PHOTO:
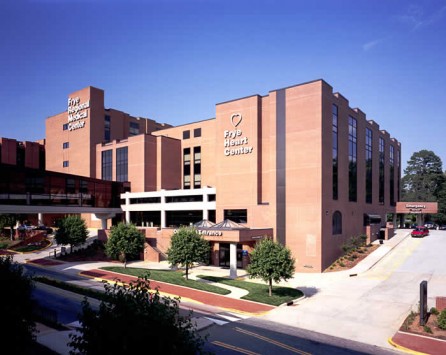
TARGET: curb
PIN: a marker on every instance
(402, 348)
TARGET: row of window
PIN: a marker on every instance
(121, 164)
(352, 159)
(187, 171)
(172, 199)
(197, 133)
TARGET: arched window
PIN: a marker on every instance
(337, 223)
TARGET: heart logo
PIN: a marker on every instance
(236, 118)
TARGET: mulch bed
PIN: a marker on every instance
(415, 327)
(348, 264)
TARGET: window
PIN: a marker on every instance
(238, 216)
(134, 128)
(381, 169)
(66, 145)
(107, 164)
(186, 168)
(197, 167)
(337, 223)
(186, 134)
(107, 128)
(65, 126)
(368, 165)
(122, 164)
(197, 132)
(392, 175)
(352, 156)
(335, 150)
(70, 186)
(66, 164)
(20, 155)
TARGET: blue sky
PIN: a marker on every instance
(173, 60)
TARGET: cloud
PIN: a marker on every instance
(416, 18)
(369, 45)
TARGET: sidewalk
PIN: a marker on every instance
(318, 289)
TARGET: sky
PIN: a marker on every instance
(174, 60)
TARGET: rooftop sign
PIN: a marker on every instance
(77, 113)
(234, 142)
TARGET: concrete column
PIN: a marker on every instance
(395, 221)
(127, 212)
(233, 260)
(205, 209)
(104, 223)
(163, 218)
(163, 210)
(39, 218)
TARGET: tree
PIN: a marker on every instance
(187, 247)
(423, 177)
(134, 317)
(270, 261)
(125, 243)
(72, 230)
(8, 220)
(16, 307)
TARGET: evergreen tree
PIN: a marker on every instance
(423, 177)
(270, 261)
(187, 247)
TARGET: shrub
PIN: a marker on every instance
(409, 320)
(442, 320)
(434, 311)
(427, 329)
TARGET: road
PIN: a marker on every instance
(253, 336)
(366, 309)
(227, 333)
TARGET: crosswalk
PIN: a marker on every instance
(225, 318)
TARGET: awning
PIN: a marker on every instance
(371, 219)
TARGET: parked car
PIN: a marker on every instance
(442, 227)
(420, 231)
(42, 227)
(430, 225)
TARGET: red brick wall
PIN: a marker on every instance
(440, 303)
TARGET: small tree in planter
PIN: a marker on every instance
(125, 242)
(270, 261)
(187, 247)
(72, 230)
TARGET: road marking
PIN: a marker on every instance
(231, 317)
(235, 348)
(217, 321)
(275, 342)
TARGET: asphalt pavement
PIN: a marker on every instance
(356, 304)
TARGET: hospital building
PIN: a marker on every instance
(297, 164)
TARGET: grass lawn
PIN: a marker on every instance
(172, 277)
(259, 292)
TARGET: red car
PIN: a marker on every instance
(420, 231)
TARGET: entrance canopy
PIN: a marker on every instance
(204, 223)
(228, 225)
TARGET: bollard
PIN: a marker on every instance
(423, 303)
